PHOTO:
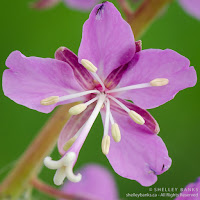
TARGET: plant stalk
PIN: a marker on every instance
(142, 18)
(57, 193)
(31, 161)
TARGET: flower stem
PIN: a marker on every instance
(125, 7)
(31, 161)
(53, 192)
(145, 15)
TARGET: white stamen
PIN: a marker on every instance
(137, 118)
(75, 110)
(116, 132)
(120, 104)
(91, 101)
(88, 65)
(105, 145)
(49, 101)
(115, 129)
(71, 96)
(111, 119)
(159, 82)
(131, 87)
(106, 125)
(87, 126)
(155, 82)
(64, 168)
(99, 79)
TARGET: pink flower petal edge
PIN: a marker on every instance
(192, 7)
(97, 183)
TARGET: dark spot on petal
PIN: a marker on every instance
(101, 7)
(153, 171)
(163, 167)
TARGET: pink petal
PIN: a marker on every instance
(139, 155)
(107, 40)
(31, 79)
(192, 7)
(81, 4)
(72, 127)
(96, 183)
(191, 191)
(154, 63)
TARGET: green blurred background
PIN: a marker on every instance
(40, 33)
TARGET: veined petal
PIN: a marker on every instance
(81, 4)
(139, 155)
(80, 128)
(150, 122)
(107, 39)
(72, 127)
(30, 79)
(148, 65)
(191, 191)
(82, 75)
(192, 7)
(96, 183)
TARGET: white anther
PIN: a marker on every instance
(159, 82)
(64, 168)
(116, 132)
(72, 96)
(136, 117)
(88, 65)
(76, 110)
(105, 145)
(49, 101)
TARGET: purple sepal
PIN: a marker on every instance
(138, 45)
(82, 75)
(150, 122)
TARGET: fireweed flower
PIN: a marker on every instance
(75, 4)
(109, 68)
(103, 189)
(191, 191)
(192, 7)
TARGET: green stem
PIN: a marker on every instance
(145, 15)
(46, 189)
(30, 162)
(57, 193)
